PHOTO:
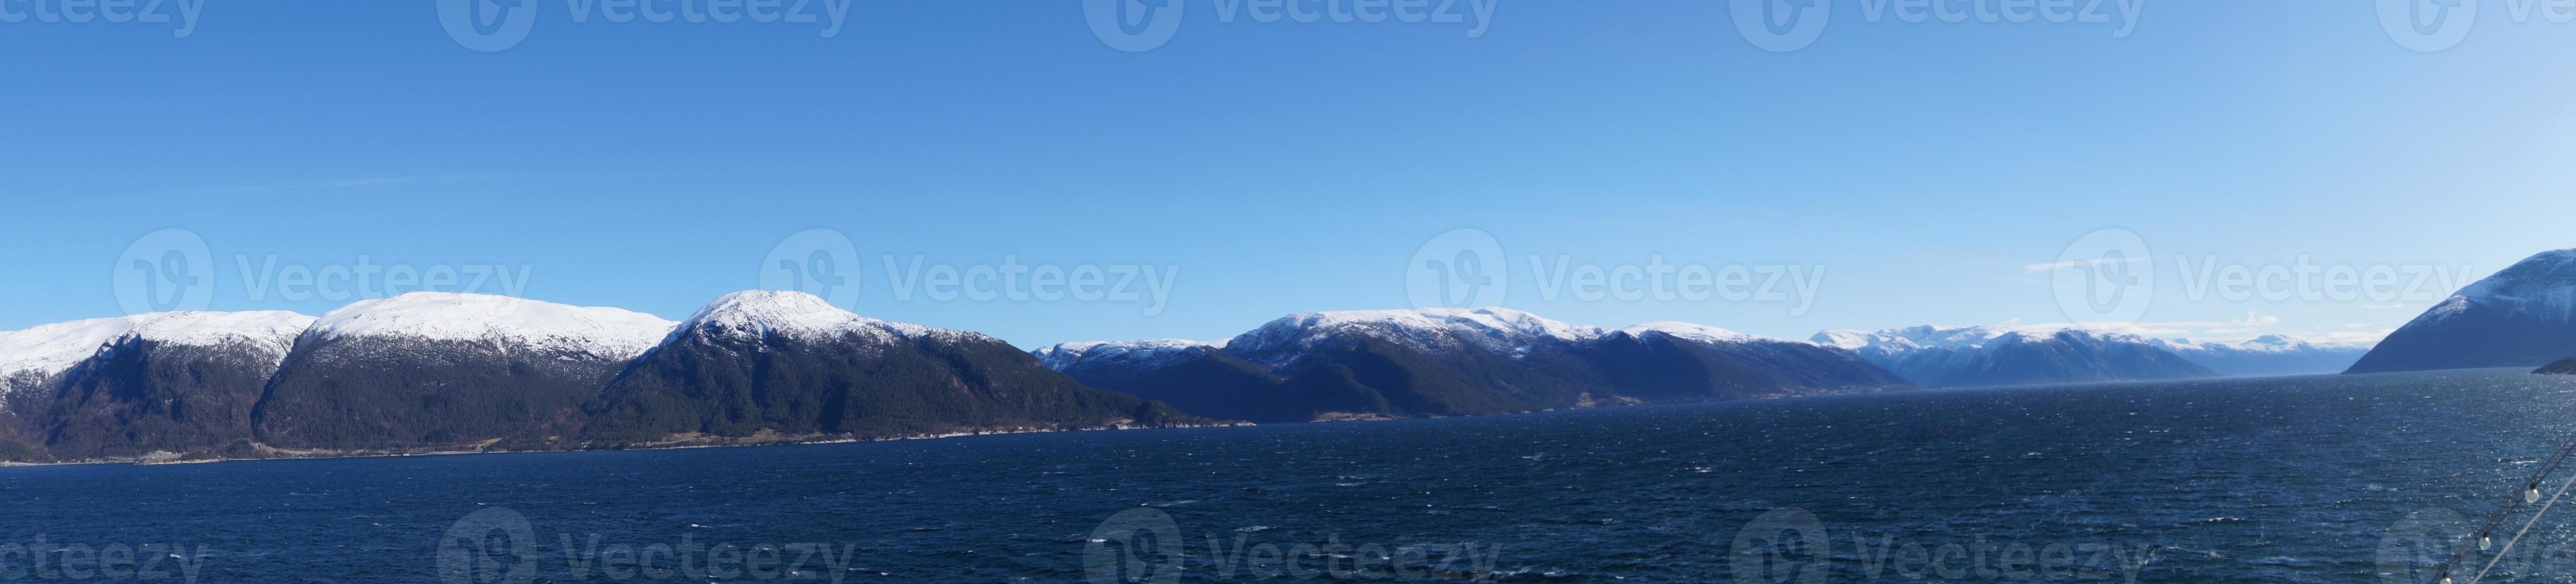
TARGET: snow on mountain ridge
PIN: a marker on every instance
(1933, 336)
(1698, 332)
(799, 315)
(54, 348)
(605, 332)
(1064, 355)
(1497, 330)
(2542, 286)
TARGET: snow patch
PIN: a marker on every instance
(1063, 356)
(797, 315)
(1500, 331)
(610, 333)
(55, 348)
(1696, 332)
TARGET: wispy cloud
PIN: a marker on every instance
(2072, 264)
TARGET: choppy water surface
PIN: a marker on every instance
(2279, 480)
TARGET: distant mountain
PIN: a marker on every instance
(1200, 379)
(1668, 361)
(2000, 356)
(1444, 362)
(2524, 316)
(2270, 355)
(172, 383)
(2562, 367)
(759, 364)
(441, 370)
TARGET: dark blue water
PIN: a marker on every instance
(2283, 480)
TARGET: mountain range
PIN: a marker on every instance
(2269, 355)
(437, 372)
(1447, 362)
(446, 372)
(1985, 356)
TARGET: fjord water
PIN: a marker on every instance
(2263, 480)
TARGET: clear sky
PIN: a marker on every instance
(1937, 171)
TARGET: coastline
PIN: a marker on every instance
(167, 458)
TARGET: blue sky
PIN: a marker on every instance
(1932, 169)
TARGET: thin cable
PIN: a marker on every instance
(2526, 528)
(2495, 518)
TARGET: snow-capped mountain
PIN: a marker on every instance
(35, 359)
(761, 313)
(2269, 355)
(1436, 362)
(1986, 356)
(435, 369)
(137, 384)
(789, 363)
(2524, 316)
